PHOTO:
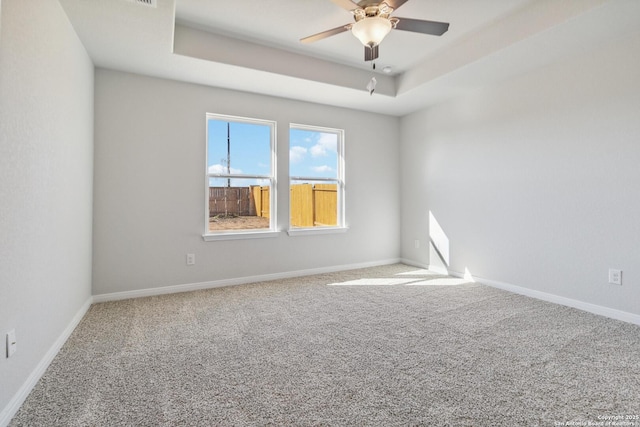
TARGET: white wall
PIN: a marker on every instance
(46, 158)
(536, 181)
(149, 187)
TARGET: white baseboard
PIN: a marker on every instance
(18, 399)
(544, 296)
(236, 281)
(414, 263)
(14, 405)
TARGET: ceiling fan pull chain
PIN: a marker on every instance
(371, 86)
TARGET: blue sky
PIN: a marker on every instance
(249, 148)
(312, 153)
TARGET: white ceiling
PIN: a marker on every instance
(283, 23)
(253, 45)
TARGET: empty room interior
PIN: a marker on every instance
(238, 213)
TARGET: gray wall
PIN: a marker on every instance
(536, 181)
(149, 186)
(46, 158)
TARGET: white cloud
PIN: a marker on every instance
(323, 168)
(327, 142)
(297, 153)
(223, 169)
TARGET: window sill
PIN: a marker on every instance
(239, 235)
(316, 230)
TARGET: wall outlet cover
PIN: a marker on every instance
(191, 259)
(615, 276)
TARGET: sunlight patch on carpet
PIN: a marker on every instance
(374, 282)
(448, 281)
(420, 272)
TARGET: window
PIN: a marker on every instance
(316, 179)
(240, 199)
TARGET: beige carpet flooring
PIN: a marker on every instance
(383, 346)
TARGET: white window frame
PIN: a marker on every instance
(246, 233)
(341, 226)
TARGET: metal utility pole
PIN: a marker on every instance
(228, 155)
(226, 211)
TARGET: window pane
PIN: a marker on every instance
(316, 177)
(240, 175)
(238, 148)
(313, 154)
(314, 204)
(238, 204)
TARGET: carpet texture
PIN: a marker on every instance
(383, 346)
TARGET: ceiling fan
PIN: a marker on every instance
(373, 22)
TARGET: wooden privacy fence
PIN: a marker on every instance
(314, 205)
(311, 204)
(231, 201)
(261, 200)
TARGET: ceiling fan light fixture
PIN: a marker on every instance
(371, 31)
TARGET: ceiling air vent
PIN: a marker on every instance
(150, 3)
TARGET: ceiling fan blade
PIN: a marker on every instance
(395, 4)
(325, 34)
(434, 28)
(346, 4)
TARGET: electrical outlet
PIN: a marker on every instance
(12, 344)
(416, 244)
(191, 259)
(615, 276)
